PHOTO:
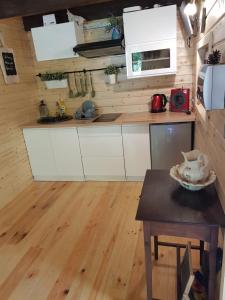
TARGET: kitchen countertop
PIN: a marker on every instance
(124, 118)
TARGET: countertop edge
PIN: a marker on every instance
(124, 119)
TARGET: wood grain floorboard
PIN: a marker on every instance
(78, 241)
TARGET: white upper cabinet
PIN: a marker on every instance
(150, 40)
(150, 25)
(56, 41)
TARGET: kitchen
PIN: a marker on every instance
(73, 167)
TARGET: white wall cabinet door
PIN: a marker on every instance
(102, 152)
(54, 153)
(66, 150)
(150, 43)
(152, 59)
(40, 153)
(136, 144)
(56, 41)
(150, 25)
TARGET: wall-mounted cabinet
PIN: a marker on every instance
(56, 41)
(153, 59)
(151, 42)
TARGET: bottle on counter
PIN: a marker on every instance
(43, 109)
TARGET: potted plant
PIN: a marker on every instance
(111, 71)
(115, 25)
(57, 80)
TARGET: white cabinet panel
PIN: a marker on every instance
(150, 25)
(102, 152)
(152, 59)
(136, 144)
(104, 168)
(150, 43)
(101, 146)
(40, 152)
(56, 41)
(54, 154)
(114, 130)
(65, 145)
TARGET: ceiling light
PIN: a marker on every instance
(191, 8)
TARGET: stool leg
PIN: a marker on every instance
(156, 249)
(201, 252)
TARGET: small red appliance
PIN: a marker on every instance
(158, 103)
(179, 100)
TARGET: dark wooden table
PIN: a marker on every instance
(168, 209)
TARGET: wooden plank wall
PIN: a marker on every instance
(17, 105)
(209, 134)
(210, 125)
(128, 95)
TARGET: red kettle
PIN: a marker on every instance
(158, 103)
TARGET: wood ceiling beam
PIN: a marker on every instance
(12, 8)
(86, 8)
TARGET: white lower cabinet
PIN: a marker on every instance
(65, 144)
(54, 153)
(136, 145)
(104, 168)
(102, 152)
(111, 152)
(40, 154)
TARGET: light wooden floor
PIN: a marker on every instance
(78, 241)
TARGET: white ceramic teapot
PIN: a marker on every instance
(195, 167)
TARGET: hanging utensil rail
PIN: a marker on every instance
(85, 71)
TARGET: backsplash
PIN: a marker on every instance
(128, 95)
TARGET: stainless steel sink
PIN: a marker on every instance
(107, 117)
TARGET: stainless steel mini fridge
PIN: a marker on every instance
(167, 141)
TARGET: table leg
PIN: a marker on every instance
(148, 259)
(212, 264)
(156, 249)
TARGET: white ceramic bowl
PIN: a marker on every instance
(192, 186)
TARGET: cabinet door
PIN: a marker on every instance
(40, 153)
(66, 149)
(150, 25)
(104, 168)
(136, 144)
(55, 41)
(101, 141)
(102, 152)
(152, 59)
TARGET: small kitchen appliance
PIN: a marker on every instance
(180, 100)
(158, 103)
